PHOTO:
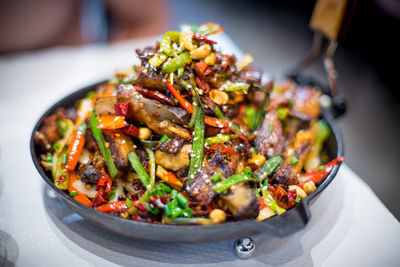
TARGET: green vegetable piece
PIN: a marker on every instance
(61, 176)
(294, 160)
(261, 111)
(56, 146)
(209, 28)
(320, 167)
(268, 167)
(166, 42)
(215, 178)
(282, 113)
(253, 150)
(73, 193)
(152, 211)
(152, 164)
(63, 127)
(111, 195)
(157, 59)
(248, 172)
(177, 62)
(270, 128)
(270, 201)
(105, 151)
(297, 200)
(49, 158)
(256, 192)
(128, 202)
(196, 158)
(165, 188)
(250, 114)
(175, 100)
(182, 200)
(174, 193)
(177, 212)
(323, 132)
(195, 111)
(180, 73)
(187, 213)
(91, 94)
(218, 139)
(218, 112)
(138, 167)
(113, 187)
(164, 138)
(236, 86)
(234, 179)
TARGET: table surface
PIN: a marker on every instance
(350, 225)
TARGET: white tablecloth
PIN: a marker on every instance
(350, 225)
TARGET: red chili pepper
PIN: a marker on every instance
(261, 202)
(140, 206)
(100, 198)
(113, 206)
(316, 176)
(184, 103)
(203, 85)
(121, 108)
(75, 149)
(291, 197)
(131, 130)
(156, 96)
(222, 148)
(201, 38)
(185, 95)
(202, 69)
(105, 182)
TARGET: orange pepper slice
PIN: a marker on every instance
(111, 122)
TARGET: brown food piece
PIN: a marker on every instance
(90, 142)
(270, 140)
(241, 201)
(42, 142)
(90, 175)
(105, 105)
(251, 75)
(160, 118)
(287, 173)
(170, 146)
(151, 79)
(306, 103)
(120, 145)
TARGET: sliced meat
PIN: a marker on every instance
(251, 75)
(287, 173)
(49, 129)
(120, 145)
(152, 79)
(42, 142)
(306, 103)
(241, 201)
(270, 139)
(145, 54)
(160, 118)
(170, 146)
(90, 175)
(105, 105)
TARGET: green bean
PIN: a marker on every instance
(177, 62)
(194, 115)
(234, 179)
(138, 167)
(196, 158)
(268, 167)
(105, 151)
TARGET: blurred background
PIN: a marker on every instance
(275, 32)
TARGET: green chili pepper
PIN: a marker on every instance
(152, 161)
(180, 73)
(196, 158)
(105, 151)
(63, 127)
(182, 200)
(260, 113)
(250, 114)
(164, 188)
(194, 115)
(61, 176)
(111, 195)
(297, 200)
(164, 138)
(236, 86)
(165, 44)
(128, 202)
(73, 194)
(294, 160)
(64, 158)
(323, 133)
(152, 211)
(234, 179)
(91, 94)
(177, 62)
(49, 157)
(215, 178)
(157, 59)
(219, 138)
(282, 113)
(268, 167)
(138, 167)
(56, 146)
(269, 200)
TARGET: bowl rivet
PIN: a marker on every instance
(244, 247)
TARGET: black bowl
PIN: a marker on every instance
(291, 221)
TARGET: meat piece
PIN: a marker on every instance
(287, 173)
(160, 118)
(105, 105)
(241, 201)
(251, 75)
(49, 129)
(201, 188)
(90, 175)
(152, 79)
(170, 146)
(270, 139)
(145, 54)
(90, 142)
(120, 145)
(42, 142)
(306, 103)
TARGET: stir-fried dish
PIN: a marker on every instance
(191, 136)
